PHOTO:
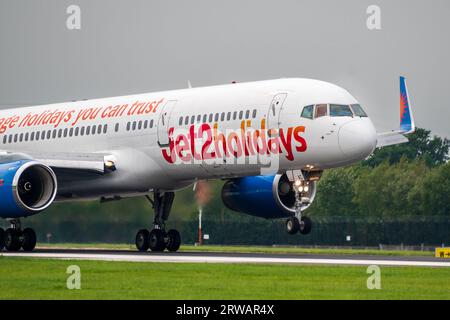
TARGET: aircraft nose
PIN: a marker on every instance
(357, 138)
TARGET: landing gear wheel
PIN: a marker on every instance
(305, 225)
(2, 239)
(142, 240)
(156, 240)
(29, 239)
(12, 240)
(174, 240)
(292, 225)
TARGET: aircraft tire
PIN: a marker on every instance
(142, 240)
(174, 240)
(292, 225)
(29, 239)
(305, 225)
(2, 239)
(12, 240)
(156, 240)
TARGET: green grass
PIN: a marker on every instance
(252, 249)
(33, 278)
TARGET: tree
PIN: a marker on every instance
(434, 151)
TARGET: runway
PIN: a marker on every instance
(213, 257)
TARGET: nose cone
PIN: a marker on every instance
(357, 138)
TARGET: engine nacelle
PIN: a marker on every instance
(26, 187)
(264, 196)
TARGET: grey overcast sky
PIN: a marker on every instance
(126, 47)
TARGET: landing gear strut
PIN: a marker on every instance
(299, 223)
(15, 238)
(158, 239)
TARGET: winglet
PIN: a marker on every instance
(406, 115)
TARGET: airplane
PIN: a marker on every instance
(270, 141)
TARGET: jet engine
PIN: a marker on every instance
(26, 187)
(267, 197)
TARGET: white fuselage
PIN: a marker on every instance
(166, 140)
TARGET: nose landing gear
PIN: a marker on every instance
(158, 239)
(299, 223)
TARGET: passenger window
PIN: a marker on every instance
(340, 110)
(254, 114)
(134, 125)
(65, 132)
(77, 130)
(70, 132)
(180, 122)
(241, 114)
(32, 136)
(216, 117)
(26, 136)
(140, 125)
(228, 116)
(151, 123)
(93, 128)
(21, 137)
(4, 139)
(358, 111)
(321, 110)
(186, 120)
(82, 131)
(99, 129)
(211, 117)
(49, 134)
(128, 126)
(145, 124)
(234, 115)
(88, 130)
(10, 138)
(105, 128)
(43, 135)
(59, 133)
(222, 116)
(54, 133)
(308, 112)
(199, 118)
(204, 117)
(247, 114)
(15, 137)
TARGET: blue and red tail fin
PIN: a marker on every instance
(406, 116)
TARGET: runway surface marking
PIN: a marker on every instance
(224, 258)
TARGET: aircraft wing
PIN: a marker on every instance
(406, 121)
(67, 163)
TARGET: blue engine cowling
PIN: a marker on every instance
(267, 197)
(26, 187)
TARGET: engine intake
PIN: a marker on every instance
(264, 196)
(26, 188)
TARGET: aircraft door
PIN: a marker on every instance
(273, 114)
(163, 123)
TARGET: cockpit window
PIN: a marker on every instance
(340, 110)
(358, 111)
(321, 110)
(308, 112)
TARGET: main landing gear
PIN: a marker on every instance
(299, 223)
(15, 238)
(158, 239)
